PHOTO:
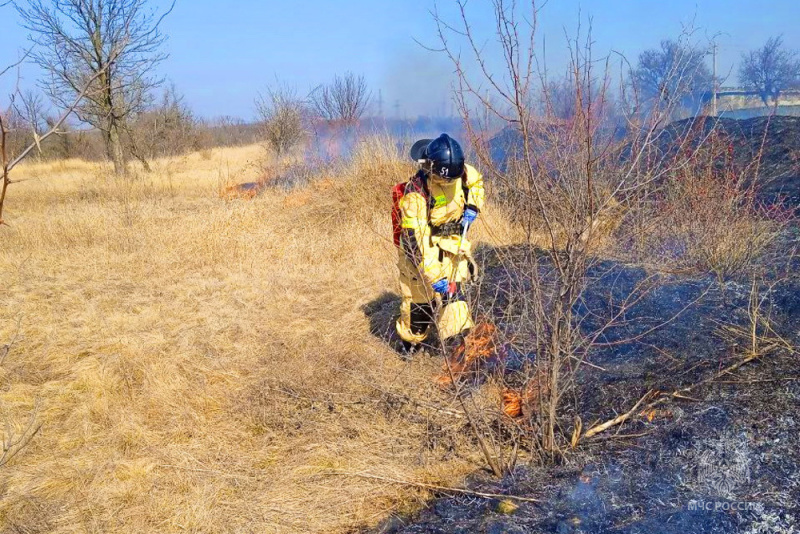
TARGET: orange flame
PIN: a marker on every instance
(242, 191)
(512, 403)
(480, 345)
(526, 402)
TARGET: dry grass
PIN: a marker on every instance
(708, 218)
(201, 364)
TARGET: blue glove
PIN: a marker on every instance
(469, 217)
(441, 286)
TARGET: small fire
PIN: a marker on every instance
(527, 401)
(247, 191)
(512, 403)
(480, 345)
(654, 413)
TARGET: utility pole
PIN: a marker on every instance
(397, 108)
(714, 88)
(380, 104)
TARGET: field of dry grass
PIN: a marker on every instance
(203, 365)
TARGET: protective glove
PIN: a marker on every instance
(469, 217)
(441, 286)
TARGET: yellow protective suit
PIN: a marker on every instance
(429, 254)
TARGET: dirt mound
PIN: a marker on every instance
(775, 141)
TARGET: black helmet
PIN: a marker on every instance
(444, 154)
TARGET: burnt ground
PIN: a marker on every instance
(726, 461)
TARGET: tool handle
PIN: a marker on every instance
(463, 237)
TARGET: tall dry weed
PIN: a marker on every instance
(706, 214)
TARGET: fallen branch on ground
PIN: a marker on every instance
(619, 419)
(12, 443)
(677, 394)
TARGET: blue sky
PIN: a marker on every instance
(222, 54)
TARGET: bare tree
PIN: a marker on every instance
(674, 73)
(770, 70)
(116, 43)
(342, 101)
(25, 120)
(282, 117)
(29, 106)
(18, 131)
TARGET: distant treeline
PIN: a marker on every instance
(146, 139)
(173, 131)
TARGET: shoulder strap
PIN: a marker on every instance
(465, 187)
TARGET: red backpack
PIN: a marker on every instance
(415, 185)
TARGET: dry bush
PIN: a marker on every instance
(164, 128)
(225, 132)
(18, 132)
(706, 216)
(283, 119)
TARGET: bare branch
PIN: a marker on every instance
(13, 441)
(55, 127)
(5, 349)
(20, 61)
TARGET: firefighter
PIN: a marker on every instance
(437, 204)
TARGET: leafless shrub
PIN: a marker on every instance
(18, 131)
(27, 118)
(226, 131)
(282, 119)
(706, 215)
(165, 128)
(343, 101)
(579, 174)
